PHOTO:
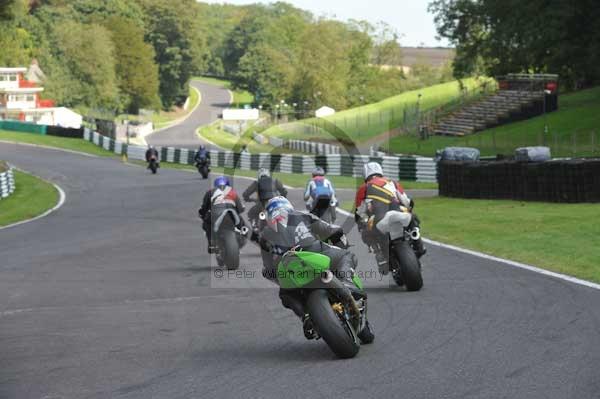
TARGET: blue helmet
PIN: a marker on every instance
(222, 182)
(278, 208)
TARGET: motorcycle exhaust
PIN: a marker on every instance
(244, 231)
(415, 234)
(327, 277)
(262, 216)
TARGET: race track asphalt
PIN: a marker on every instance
(183, 135)
(114, 296)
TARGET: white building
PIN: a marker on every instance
(20, 100)
(324, 112)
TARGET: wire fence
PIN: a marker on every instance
(368, 122)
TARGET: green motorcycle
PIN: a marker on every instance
(336, 316)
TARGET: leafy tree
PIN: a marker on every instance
(171, 27)
(87, 52)
(554, 36)
(137, 74)
(387, 49)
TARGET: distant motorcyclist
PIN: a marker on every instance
(150, 153)
(222, 194)
(266, 187)
(287, 229)
(318, 190)
(152, 158)
(376, 196)
(202, 155)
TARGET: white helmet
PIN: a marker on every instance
(263, 172)
(371, 169)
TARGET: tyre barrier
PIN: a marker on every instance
(401, 168)
(570, 181)
(7, 183)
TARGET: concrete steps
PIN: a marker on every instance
(486, 113)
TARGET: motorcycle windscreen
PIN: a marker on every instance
(394, 223)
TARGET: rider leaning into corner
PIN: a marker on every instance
(287, 229)
(221, 195)
(375, 197)
(266, 187)
(317, 187)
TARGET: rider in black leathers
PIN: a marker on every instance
(266, 188)
(308, 232)
(150, 152)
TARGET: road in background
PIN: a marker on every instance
(115, 296)
(213, 100)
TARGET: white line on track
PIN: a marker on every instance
(61, 201)
(505, 261)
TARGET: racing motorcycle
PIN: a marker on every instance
(333, 312)
(400, 232)
(228, 238)
(203, 168)
(153, 164)
(324, 209)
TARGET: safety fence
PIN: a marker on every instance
(573, 181)
(312, 147)
(26, 127)
(403, 168)
(7, 183)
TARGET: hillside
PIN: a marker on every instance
(573, 130)
(364, 123)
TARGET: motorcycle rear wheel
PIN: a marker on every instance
(230, 250)
(329, 326)
(410, 268)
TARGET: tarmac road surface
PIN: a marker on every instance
(183, 135)
(115, 296)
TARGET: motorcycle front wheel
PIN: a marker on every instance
(330, 327)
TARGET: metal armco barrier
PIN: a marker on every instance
(572, 181)
(401, 168)
(7, 183)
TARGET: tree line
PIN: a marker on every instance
(539, 36)
(124, 55)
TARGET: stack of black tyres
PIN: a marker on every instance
(566, 181)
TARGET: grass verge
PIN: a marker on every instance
(563, 238)
(228, 141)
(573, 130)
(57, 142)
(32, 197)
(240, 97)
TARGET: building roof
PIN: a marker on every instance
(13, 70)
(324, 111)
(22, 90)
(233, 114)
(35, 73)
